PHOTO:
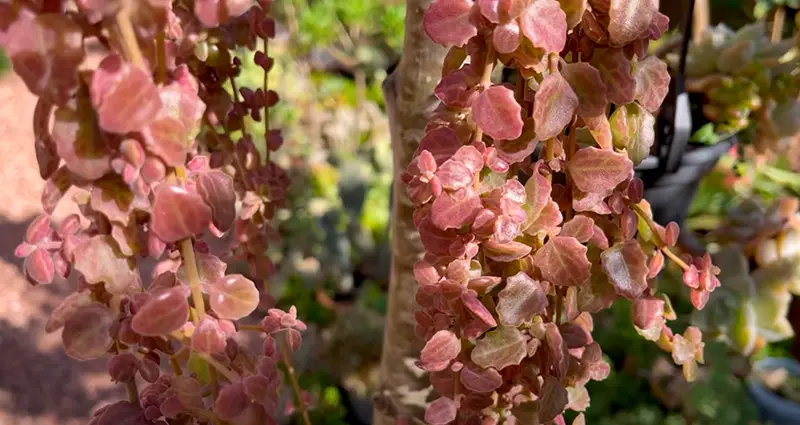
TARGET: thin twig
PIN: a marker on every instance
(287, 361)
(486, 80)
(657, 237)
(125, 27)
(221, 368)
(133, 391)
(777, 24)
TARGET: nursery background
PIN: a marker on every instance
(332, 253)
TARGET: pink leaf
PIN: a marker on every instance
(563, 261)
(98, 262)
(506, 252)
(598, 170)
(506, 37)
(554, 106)
(600, 129)
(165, 312)
(520, 300)
(217, 190)
(629, 20)
(125, 97)
(39, 266)
(652, 82)
(615, 69)
(212, 13)
(502, 11)
(476, 307)
(178, 213)
(442, 143)
(208, 337)
(80, 143)
(233, 297)
(626, 266)
(481, 380)
(589, 87)
(502, 347)
(580, 227)
(451, 211)
(447, 22)
(441, 411)
(545, 25)
(439, 351)
(497, 113)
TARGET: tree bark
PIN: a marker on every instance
(409, 95)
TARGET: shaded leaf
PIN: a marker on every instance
(588, 85)
(124, 96)
(86, 334)
(502, 11)
(165, 312)
(178, 213)
(447, 22)
(480, 380)
(233, 297)
(562, 261)
(626, 266)
(502, 347)
(615, 70)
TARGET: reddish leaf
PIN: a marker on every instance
(502, 11)
(231, 401)
(589, 87)
(86, 334)
(626, 266)
(217, 190)
(39, 267)
(64, 310)
(537, 191)
(545, 25)
(165, 312)
(652, 82)
(80, 143)
(170, 134)
(441, 411)
(502, 347)
(629, 20)
(553, 400)
(580, 227)
(212, 13)
(447, 22)
(178, 213)
(98, 262)
(647, 312)
(506, 252)
(46, 51)
(480, 380)
(458, 89)
(476, 307)
(439, 351)
(451, 211)
(124, 96)
(55, 188)
(597, 170)
(554, 106)
(520, 300)
(506, 37)
(442, 143)
(497, 113)
(208, 337)
(562, 261)
(615, 69)
(233, 297)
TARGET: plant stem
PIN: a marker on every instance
(657, 237)
(133, 392)
(266, 108)
(298, 393)
(176, 367)
(549, 154)
(777, 24)
(486, 80)
(221, 368)
(257, 328)
(129, 42)
(187, 252)
(559, 303)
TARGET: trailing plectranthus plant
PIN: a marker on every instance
(150, 141)
(524, 245)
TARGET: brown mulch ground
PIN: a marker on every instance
(39, 384)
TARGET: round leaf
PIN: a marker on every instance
(233, 297)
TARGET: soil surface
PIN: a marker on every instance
(39, 384)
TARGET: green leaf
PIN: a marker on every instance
(199, 367)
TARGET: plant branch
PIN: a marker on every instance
(486, 80)
(298, 393)
(221, 368)
(657, 237)
(125, 27)
(133, 391)
(777, 24)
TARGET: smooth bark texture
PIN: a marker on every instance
(409, 95)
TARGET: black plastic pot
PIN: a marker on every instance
(671, 194)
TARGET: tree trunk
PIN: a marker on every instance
(409, 95)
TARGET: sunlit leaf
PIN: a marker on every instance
(629, 20)
(626, 266)
(178, 213)
(598, 170)
(233, 297)
(497, 113)
(520, 300)
(652, 82)
(554, 106)
(98, 262)
(439, 351)
(502, 11)
(545, 25)
(447, 22)
(563, 261)
(165, 312)
(633, 129)
(125, 97)
(441, 411)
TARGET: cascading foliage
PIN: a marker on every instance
(156, 153)
(515, 267)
